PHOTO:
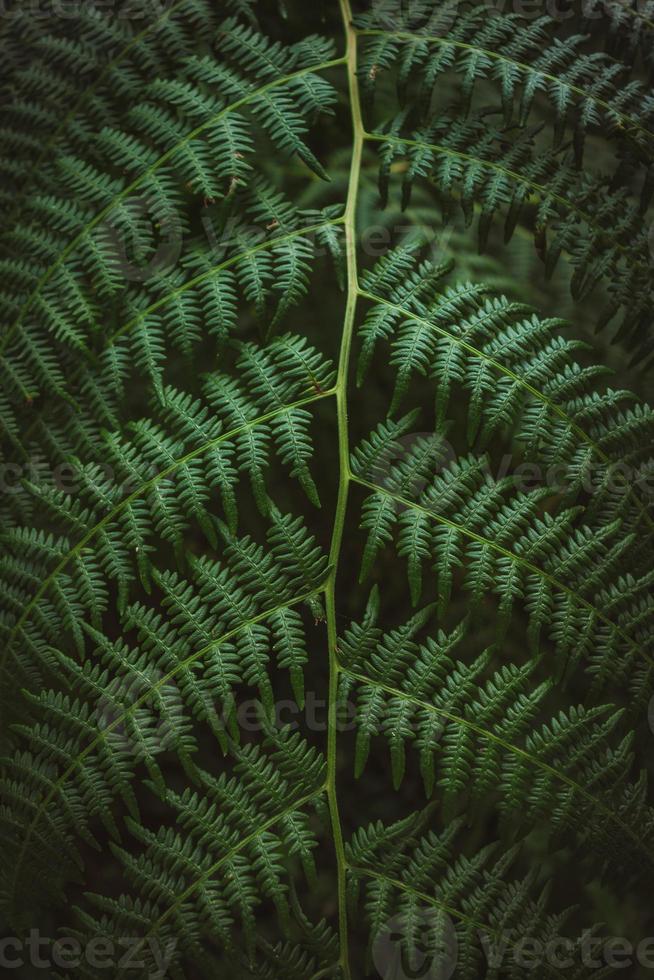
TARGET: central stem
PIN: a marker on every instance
(344, 468)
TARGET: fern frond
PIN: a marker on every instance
(477, 736)
(218, 356)
(452, 911)
(485, 150)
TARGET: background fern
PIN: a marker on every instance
(327, 525)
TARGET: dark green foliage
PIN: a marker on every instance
(491, 153)
(229, 430)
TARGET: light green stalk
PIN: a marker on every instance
(344, 467)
